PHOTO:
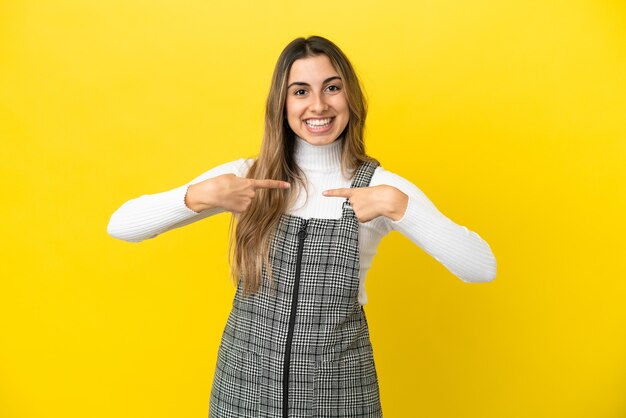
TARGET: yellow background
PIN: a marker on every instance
(509, 115)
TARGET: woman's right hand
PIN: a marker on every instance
(228, 192)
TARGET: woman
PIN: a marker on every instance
(296, 342)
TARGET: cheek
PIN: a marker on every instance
(342, 105)
(345, 111)
(291, 116)
(292, 109)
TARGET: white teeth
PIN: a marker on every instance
(318, 122)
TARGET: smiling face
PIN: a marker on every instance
(316, 105)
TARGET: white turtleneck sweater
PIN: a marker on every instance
(463, 252)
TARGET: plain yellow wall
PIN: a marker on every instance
(509, 115)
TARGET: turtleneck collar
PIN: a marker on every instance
(326, 158)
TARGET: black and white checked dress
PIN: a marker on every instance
(301, 347)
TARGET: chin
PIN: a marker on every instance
(318, 140)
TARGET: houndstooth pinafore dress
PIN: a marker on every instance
(301, 347)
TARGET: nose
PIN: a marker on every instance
(318, 104)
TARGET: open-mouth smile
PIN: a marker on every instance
(319, 125)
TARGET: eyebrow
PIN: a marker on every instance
(302, 83)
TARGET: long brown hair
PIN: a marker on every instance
(250, 242)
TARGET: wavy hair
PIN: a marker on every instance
(250, 239)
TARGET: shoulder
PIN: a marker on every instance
(383, 176)
(245, 164)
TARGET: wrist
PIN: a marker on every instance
(194, 199)
(398, 206)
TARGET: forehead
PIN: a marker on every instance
(312, 70)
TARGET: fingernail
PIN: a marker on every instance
(324, 192)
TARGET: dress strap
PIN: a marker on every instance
(364, 173)
(362, 178)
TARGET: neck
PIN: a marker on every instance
(325, 157)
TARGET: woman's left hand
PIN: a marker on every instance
(371, 202)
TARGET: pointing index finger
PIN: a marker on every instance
(337, 192)
(270, 184)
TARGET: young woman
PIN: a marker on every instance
(311, 209)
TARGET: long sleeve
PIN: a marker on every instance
(463, 252)
(149, 215)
